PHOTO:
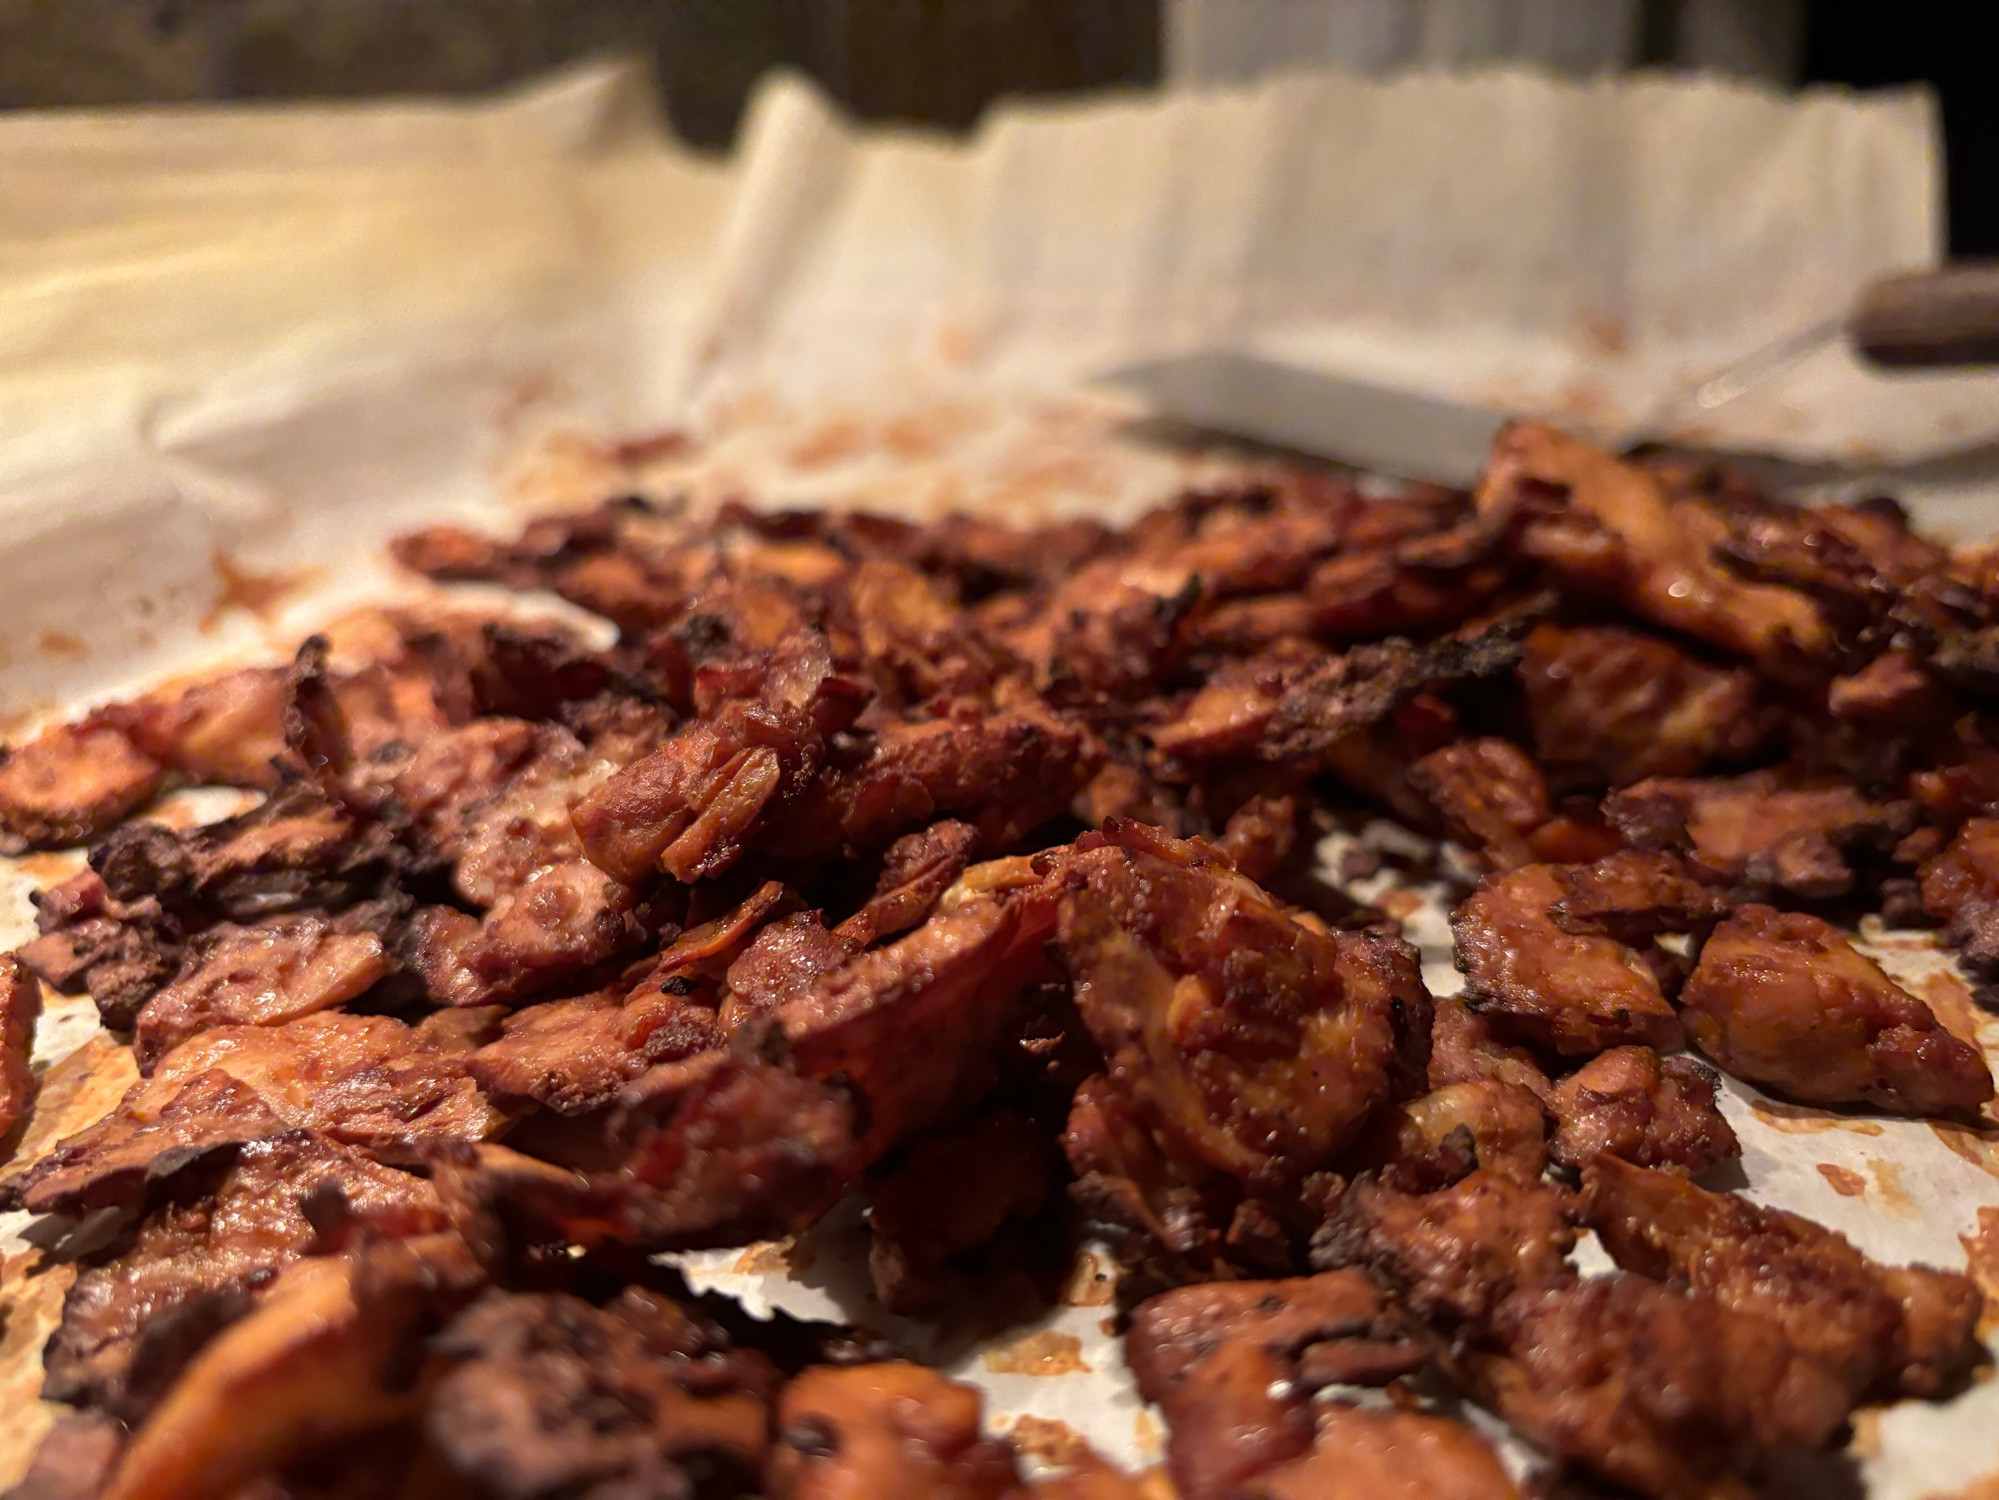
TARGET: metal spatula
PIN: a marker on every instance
(1922, 320)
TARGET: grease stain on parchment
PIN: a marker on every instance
(1979, 1147)
(1145, 1435)
(1979, 1489)
(1049, 1352)
(1891, 1194)
(1845, 1181)
(261, 595)
(1950, 1001)
(1796, 1119)
(1981, 1264)
(31, 1296)
(1050, 1441)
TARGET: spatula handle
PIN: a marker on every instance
(1949, 316)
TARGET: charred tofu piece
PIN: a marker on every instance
(495, 802)
(917, 869)
(727, 1147)
(1231, 711)
(121, 929)
(70, 783)
(1668, 1393)
(788, 956)
(1783, 1000)
(1374, 1453)
(1250, 1043)
(1882, 1331)
(1234, 1365)
(1634, 895)
(1674, 1395)
(120, 961)
(1857, 562)
(1431, 1141)
(943, 991)
(981, 556)
(1112, 630)
(1261, 836)
(547, 1397)
(1490, 795)
(1361, 687)
(1611, 528)
(1572, 992)
(692, 806)
(224, 730)
(1108, 634)
(1124, 1178)
(559, 927)
(618, 559)
(350, 730)
(1960, 888)
(1459, 1253)
(1465, 1049)
(296, 849)
(914, 640)
(491, 801)
(952, 1195)
(575, 1056)
(20, 1008)
(1005, 768)
(759, 1140)
(108, 1164)
(1761, 833)
(1615, 705)
(333, 1351)
(1635, 1105)
(264, 975)
(894, 1431)
(1964, 786)
(703, 954)
(1411, 586)
(200, 1261)
(367, 1081)
(74, 1460)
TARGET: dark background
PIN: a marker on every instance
(1954, 46)
(933, 61)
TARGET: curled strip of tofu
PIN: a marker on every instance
(325, 1355)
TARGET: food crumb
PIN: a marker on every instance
(1090, 1283)
(773, 1258)
(1050, 1441)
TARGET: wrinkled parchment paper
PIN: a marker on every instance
(238, 349)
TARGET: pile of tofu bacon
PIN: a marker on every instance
(970, 870)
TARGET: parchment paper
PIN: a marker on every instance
(240, 348)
